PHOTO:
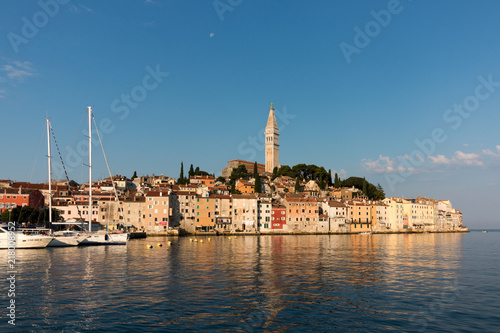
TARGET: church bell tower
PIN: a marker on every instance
(272, 142)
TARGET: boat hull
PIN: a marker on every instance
(26, 242)
(105, 239)
(60, 241)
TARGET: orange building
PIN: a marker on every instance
(205, 214)
(359, 216)
(244, 186)
(10, 199)
(205, 180)
(302, 214)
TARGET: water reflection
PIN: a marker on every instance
(266, 283)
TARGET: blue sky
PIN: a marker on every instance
(356, 86)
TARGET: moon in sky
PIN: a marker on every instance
(212, 34)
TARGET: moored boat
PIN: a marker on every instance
(67, 238)
(10, 237)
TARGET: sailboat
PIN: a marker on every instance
(100, 237)
(64, 237)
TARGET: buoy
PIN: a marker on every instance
(159, 244)
(229, 237)
(209, 239)
(169, 243)
(235, 237)
(195, 240)
(149, 246)
(190, 239)
(201, 240)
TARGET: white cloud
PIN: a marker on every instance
(18, 70)
(488, 152)
(439, 159)
(2, 93)
(467, 159)
(460, 158)
(385, 164)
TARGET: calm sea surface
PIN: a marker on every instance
(365, 283)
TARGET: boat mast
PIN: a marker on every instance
(90, 168)
(50, 173)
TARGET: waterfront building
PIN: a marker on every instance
(278, 218)
(223, 213)
(245, 216)
(134, 212)
(185, 216)
(448, 218)
(337, 214)
(205, 214)
(380, 216)
(395, 213)
(302, 214)
(265, 213)
(159, 211)
(359, 216)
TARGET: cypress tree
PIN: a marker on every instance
(191, 171)
(297, 185)
(256, 176)
(180, 181)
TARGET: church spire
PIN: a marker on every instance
(271, 120)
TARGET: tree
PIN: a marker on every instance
(365, 191)
(237, 173)
(134, 176)
(297, 185)
(337, 181)
(191, 172)
(221, 179)
(256, 176)
(371, 190)
(330, 181)
(379, 194)
(197, 171)
(182, 180)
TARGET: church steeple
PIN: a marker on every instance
(271, 120)
(272, 142)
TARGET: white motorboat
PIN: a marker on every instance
(12, 238)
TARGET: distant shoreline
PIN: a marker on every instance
(159, 234)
